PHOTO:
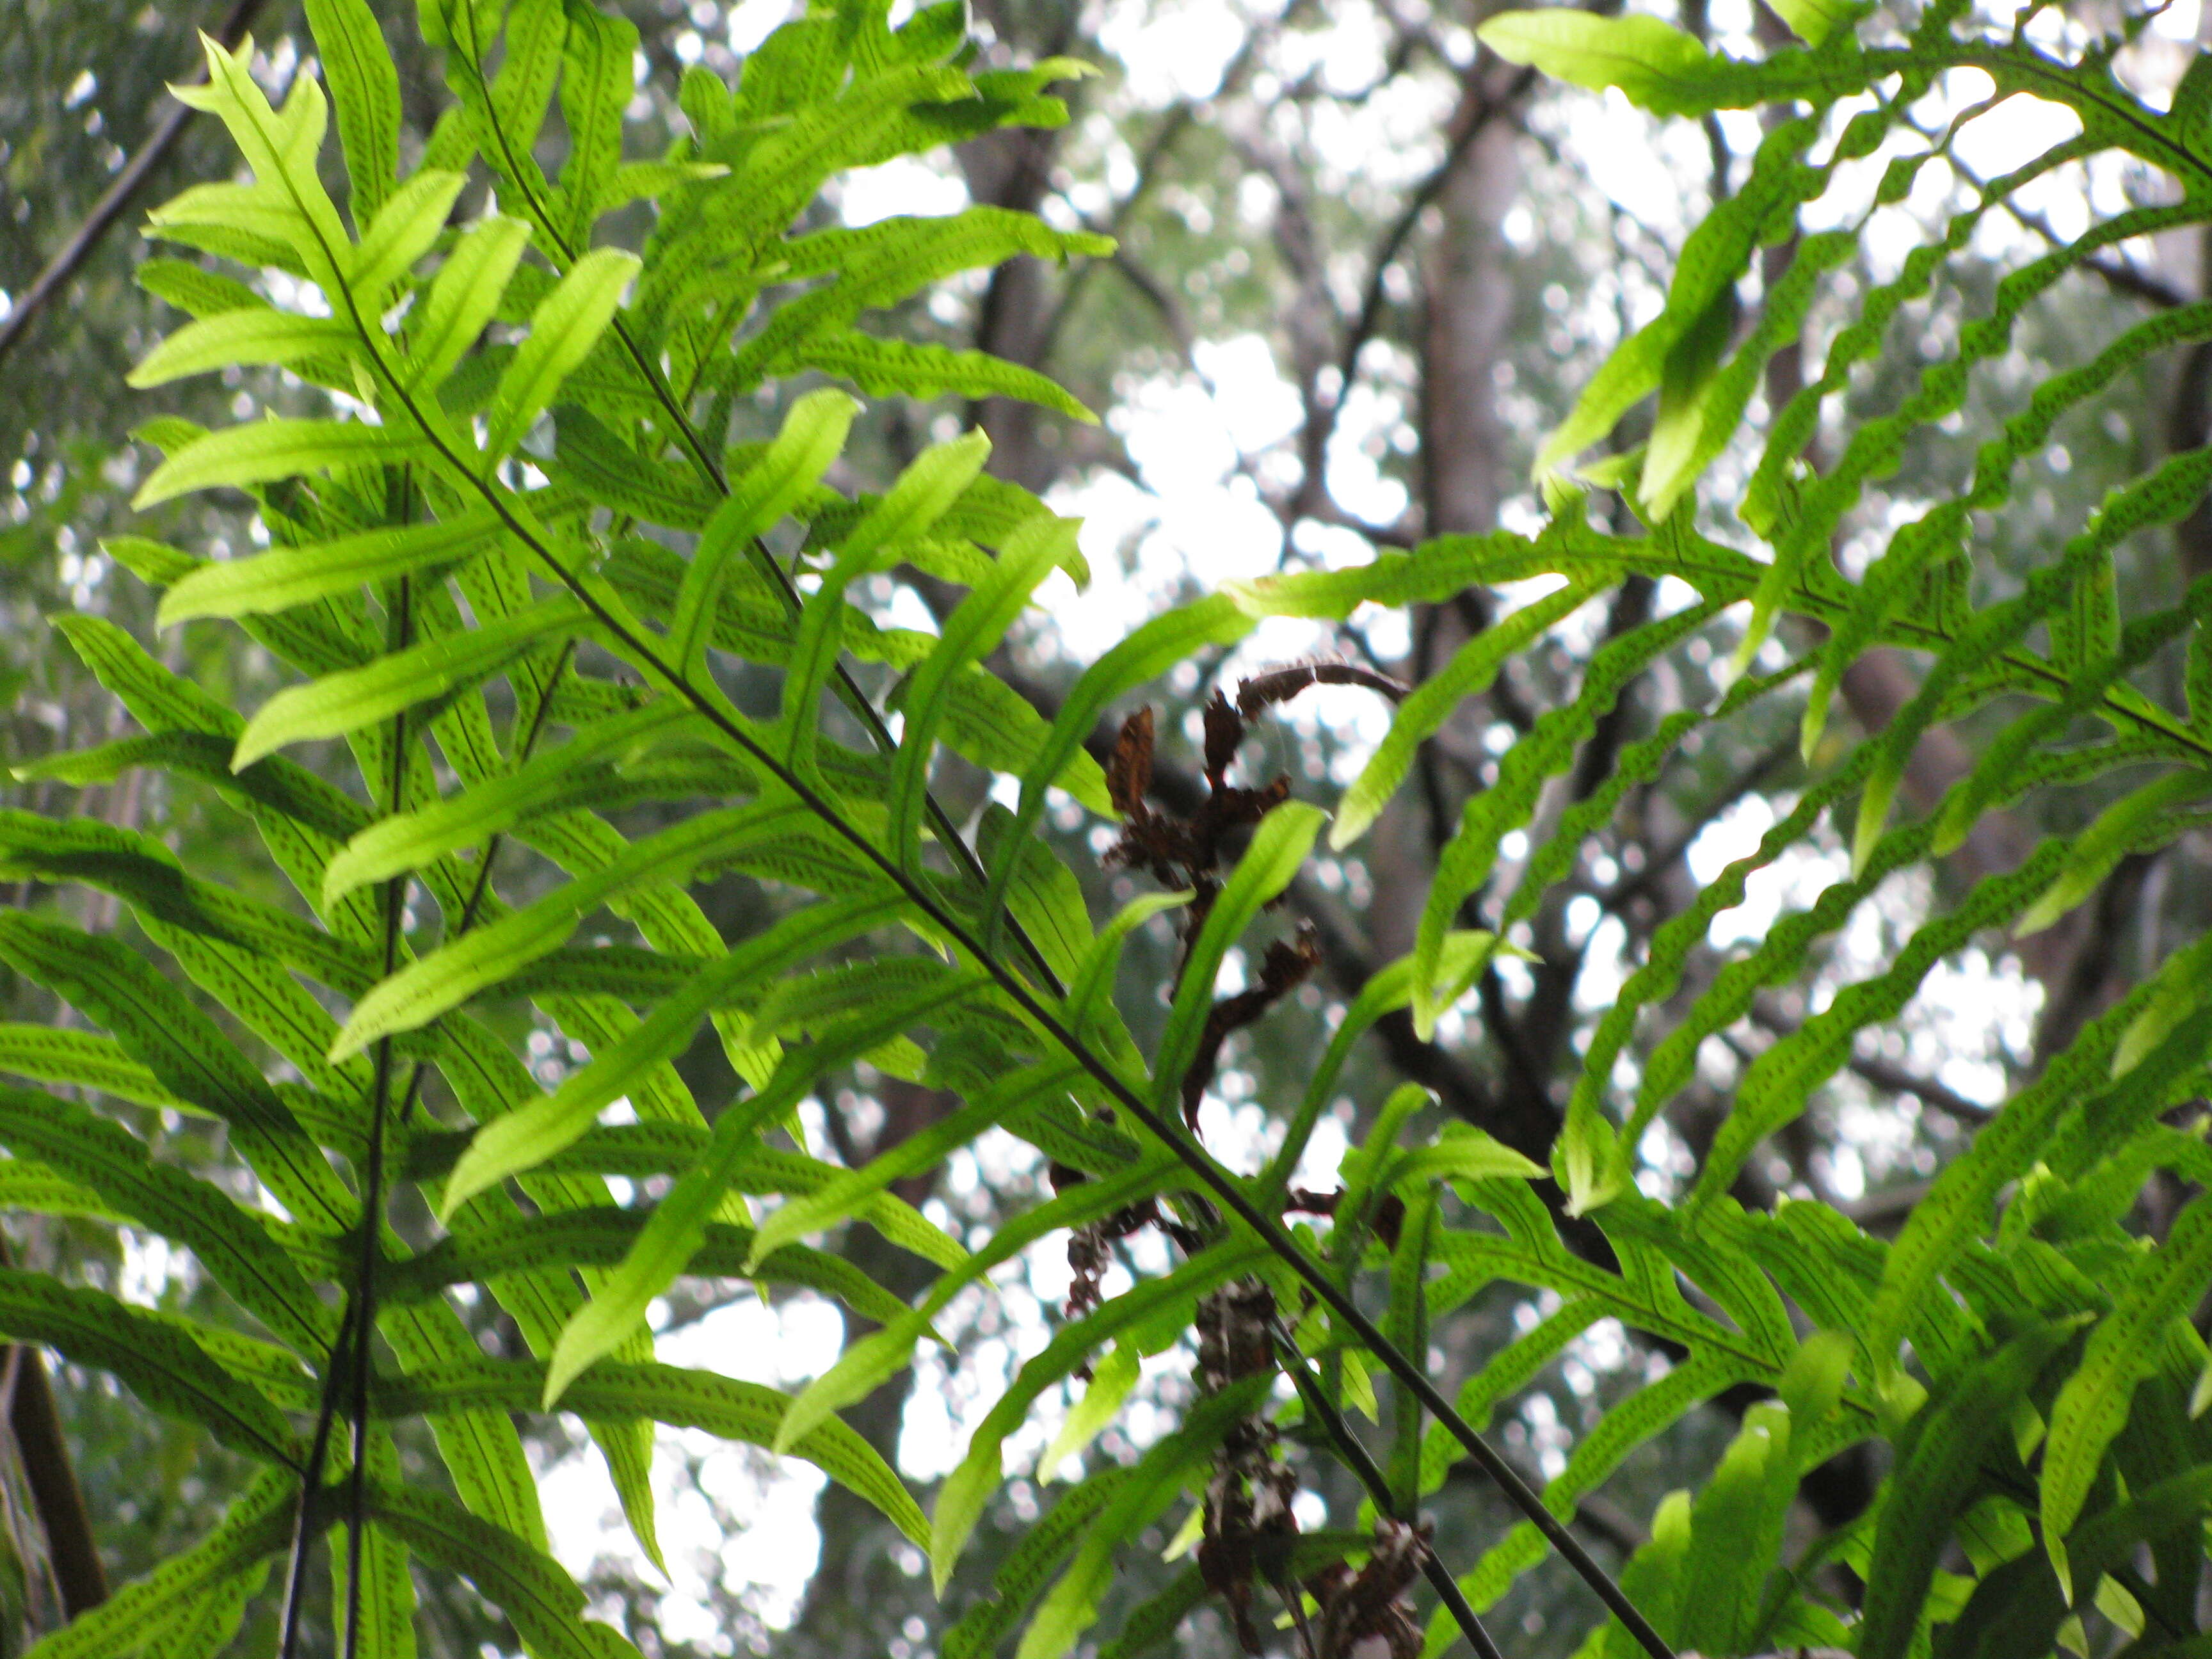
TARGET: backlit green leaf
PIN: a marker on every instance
(565, 326)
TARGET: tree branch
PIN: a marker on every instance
(109, 208)
(37, 1425)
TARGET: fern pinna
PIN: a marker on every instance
(520, 567)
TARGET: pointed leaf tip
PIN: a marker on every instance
(1350, 823)
(1815, 724)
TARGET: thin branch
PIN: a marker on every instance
(1616, 897)
(48, 1470)
(1478, 116)
(1178, 119)
(110, 207)
(2122, 276)
(1162, 299)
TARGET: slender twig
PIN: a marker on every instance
(372, 1211)
(365, 1294)
(1657, 864)
(1362, 1463)
(480, 888)
(306, 1512)
(1164, 300)
(352, 1354)
(1375, 295)
(110, 207)
(1174, 122)
(2122, 276)
(917, 892)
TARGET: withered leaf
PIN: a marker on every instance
(1224, 730)
(1280, 684)
(1129, 769)
(1283, 968)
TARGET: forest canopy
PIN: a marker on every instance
(1098, 826)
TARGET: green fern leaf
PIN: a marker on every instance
(464, 298)
(1030, 554)
(405, 229)
(1278, 847)
(365, 90)
(243, 336)
(721, 1405)
(1024, 1572)
(923, 370)
(526, 1584)
(960, 1501)
(1938, 1476)
(288, 576)
(1157, 1480)
(812, 434)
(233, 1245)
(185, 1051)
(2126, 1346)
(563, 329)
(597, 84)
(673, 1234)
(1469, 673)
(521, 1140)
(265, 451)
(252, 1528)
(157, 1363)
(1642, 57)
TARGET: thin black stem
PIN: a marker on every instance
(311, 1483)
(1362, 1463)
(349, 1357)
(480, 887)
(916, 891)
(372, 1206)
(365, 1296)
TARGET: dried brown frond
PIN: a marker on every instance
(1280, 684)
